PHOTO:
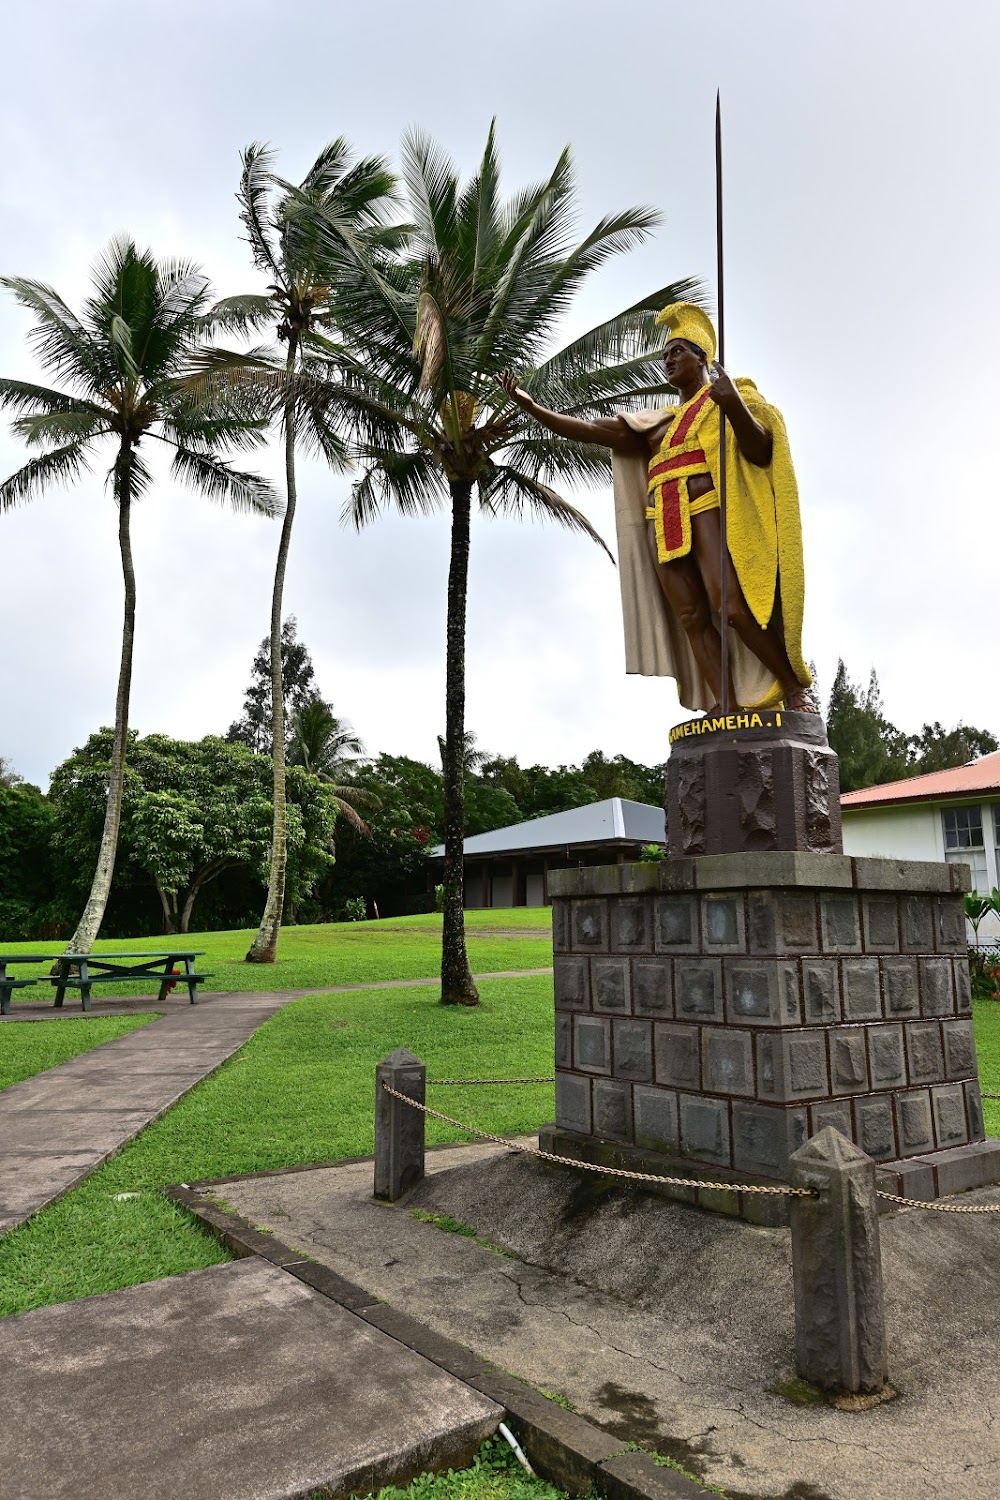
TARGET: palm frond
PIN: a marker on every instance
(59, 466)
(243, 314)
(413, 481)
(256, 183)
(507, 491)
(59, 339)
(48, 428)
(25, 398)
(432, 188)
(219, 481)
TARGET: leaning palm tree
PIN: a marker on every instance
(324, 746)
(120, 362)
(354, 195)
(423, 341)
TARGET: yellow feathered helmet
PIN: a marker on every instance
(685, 321)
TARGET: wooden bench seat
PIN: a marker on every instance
(166, 983)
(6, 986)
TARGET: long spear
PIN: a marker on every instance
(720, 285)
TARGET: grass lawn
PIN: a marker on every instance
(300, 1090)
(494, 1475)
(30, 1048)
(335, 953)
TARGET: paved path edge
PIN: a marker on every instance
(562, 1446)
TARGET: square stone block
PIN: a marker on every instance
(753, 991)
(655, 1112)
(638, 877)
(573, 1103)
(959, 1049)
(727, 1061)
(589, 926)
(790, 982)
(917, 913)
(723, 926)
(923, 1051)
(571, 982)
(974, 1109)
(848, 1060)
(632, 926)
(880, 915)
(966, 1167)
(902, 993)
(592, 1044)
(698, 989)
(762, 932)
(765, 1137)
(632, 1043)
(841, 929)
(791, 1065)
(678, 1056)
(564, 1040)
(862, 1001)
(936, 993)
(950, 924)
(676, 924)
(915, 1124)
(612, 1109)
(950, 1125)
(797, 924)
(963, 986)
(885, 1056)
(821, 990)
(705, 1129)
(835, 1112)
(609, 984)
(653, 988)
(560, 926)
(874, 1126)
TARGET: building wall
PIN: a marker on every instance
(894, 832)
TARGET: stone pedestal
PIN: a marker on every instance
(713, 1014)
(752, 781)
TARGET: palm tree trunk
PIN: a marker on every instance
(264, 948)
(93, 913)
(457, 985)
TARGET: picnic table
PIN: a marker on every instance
(80, 971)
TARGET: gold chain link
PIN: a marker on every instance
(942, 1208)
(586, 1166)
(454, 1083)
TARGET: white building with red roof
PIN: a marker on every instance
(946, 815)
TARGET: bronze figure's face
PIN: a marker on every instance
(684, 363)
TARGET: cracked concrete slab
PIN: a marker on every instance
(669, 1326)
(238, 1382)
(57, 1127)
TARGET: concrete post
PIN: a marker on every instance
(837, 1267)
(399, 1130)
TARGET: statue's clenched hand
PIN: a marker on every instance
(508, 380)
(722, 390)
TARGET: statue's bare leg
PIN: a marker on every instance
(767, 645)
(684, 591)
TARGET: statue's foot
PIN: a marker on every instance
(799, 702)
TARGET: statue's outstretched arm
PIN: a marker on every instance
(608, 432)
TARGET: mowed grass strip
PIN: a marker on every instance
(30, 1047)
(495, 1474)
(333, 953)
(301, 1090)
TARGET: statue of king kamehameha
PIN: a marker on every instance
(666, 481)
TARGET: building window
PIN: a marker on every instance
(963, 843)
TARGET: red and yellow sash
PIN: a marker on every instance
(669, 471)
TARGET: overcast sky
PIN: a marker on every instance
(862, 296)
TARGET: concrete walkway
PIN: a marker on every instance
(234, 1383)
(57, 1127)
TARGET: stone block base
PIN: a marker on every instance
(937, 1175)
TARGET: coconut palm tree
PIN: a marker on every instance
(120, 361)
(354, 196)
(424, 337)
(324, 746)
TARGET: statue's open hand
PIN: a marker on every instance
(508, 380)
(721, 389)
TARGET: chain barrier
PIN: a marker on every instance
(942, 1208)
(456, 1083)
(783, 1191)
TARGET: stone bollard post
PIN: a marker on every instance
(399, 1130)
(837, 1267)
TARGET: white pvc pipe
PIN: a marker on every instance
(518, 1450)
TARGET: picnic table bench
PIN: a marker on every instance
(80, 971)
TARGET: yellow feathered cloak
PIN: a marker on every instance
(765, 542)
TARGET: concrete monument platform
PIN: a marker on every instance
(661, 1325)
(714, 1013)
(235, 1383)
